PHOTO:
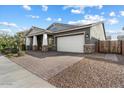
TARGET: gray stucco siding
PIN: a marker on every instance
(97, 33)
(74, 32)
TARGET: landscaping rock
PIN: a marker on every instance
(90, 73)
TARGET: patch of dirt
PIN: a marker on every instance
(90, 73)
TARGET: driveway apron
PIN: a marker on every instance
(13, 75)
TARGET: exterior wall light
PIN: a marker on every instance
(87, 35)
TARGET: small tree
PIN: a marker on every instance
(20, 41)
(7, 43)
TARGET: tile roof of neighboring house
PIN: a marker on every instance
(120, 37)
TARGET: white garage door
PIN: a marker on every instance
(70, 43)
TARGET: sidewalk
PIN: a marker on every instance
(12, 76)
(111, 57)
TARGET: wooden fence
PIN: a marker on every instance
(122, 48)
(110, 46)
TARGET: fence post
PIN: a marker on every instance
(109, 47)
(122, 47)
(98, 45)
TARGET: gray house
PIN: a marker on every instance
(120, 37)
(65, 37)
(108, 38)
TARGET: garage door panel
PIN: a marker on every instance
(70, 43)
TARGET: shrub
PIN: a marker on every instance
(9, 50)
(6, 51)
(14, 50)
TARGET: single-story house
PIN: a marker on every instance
(65, 37)
(120, 37)
(108, 38)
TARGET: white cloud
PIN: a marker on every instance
(59, 19)
(49, 19)
(121, 13)
(100, 6)
(44, 7)
(26, 7)
(78, 9)
(112, 14)
(94, 17)
(32, 16)
(82, 6)
(75, 11)
(8, 24)
(6, 31)
(88, 19)
(113, 21)
(54, 19)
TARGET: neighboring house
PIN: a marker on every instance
(120, 37)
(64, 37)
(108, 37)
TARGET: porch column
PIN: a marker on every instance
(28, 41)
(45, 43)
(35, 43)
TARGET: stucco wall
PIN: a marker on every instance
(97, 33)
(79, 31)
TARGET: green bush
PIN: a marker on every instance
(6, 51)
(12, 44)
(14, 50)
(9, 50)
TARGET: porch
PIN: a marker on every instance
(42, 42)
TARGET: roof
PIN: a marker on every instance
(37, 31)
(60, 26)
(75, 27)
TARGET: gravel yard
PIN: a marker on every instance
(90, 73)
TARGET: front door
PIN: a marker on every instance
(39, 42)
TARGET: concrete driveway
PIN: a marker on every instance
(47, 65)
(12, 75)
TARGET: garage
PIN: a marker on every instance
(73, 43)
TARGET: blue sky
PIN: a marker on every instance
(18, 18)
